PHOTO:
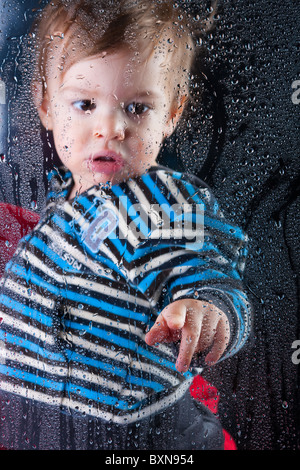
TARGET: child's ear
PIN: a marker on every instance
(175, 115)
(41, 101)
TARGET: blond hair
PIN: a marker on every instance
(77, 29)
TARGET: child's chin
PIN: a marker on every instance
(111, 178)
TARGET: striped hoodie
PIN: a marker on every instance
(88, 282)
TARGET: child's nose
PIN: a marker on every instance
(110, 127)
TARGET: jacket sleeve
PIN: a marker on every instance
(209, 266)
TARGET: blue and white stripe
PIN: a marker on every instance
(74, 317)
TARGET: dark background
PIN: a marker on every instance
(243, 140)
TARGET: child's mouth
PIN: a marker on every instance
(105, 159)
(107, 163)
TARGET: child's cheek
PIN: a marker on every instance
(64, 139)
(136, 144)
(64, 149)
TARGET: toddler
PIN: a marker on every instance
(132, 272)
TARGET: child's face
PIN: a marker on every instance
(109, 115)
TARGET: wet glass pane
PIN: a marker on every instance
(242, 139)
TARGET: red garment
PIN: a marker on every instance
(208, 395)
(15, 223)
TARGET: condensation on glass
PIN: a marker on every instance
(242, 138)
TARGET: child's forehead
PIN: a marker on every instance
(124, 69)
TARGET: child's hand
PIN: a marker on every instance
(199, 324)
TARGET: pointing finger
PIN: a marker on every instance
(159, 332)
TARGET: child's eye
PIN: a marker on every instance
(137, 109)
(84, 105)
